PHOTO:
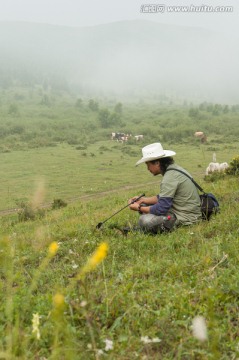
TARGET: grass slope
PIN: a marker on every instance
(68, 173)
(147, 285)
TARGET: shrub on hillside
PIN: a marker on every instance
(104, 148)
(13, 109)
(215, 176)
(93, 105)
(27, 212)
(81, 147)
(78, 102)
(4, 149)
(58, 203)
(72, 139)
(104, 118)
(129, 151)
(233, 166)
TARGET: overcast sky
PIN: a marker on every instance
(94, 12)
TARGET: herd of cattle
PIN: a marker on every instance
(212, 167)
(125, 137)
(122, 137)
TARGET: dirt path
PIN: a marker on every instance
(83, 197)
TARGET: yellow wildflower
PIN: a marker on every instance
(95, 259)
(53, 248)
(35, 325)
(58, 301)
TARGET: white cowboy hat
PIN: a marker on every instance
(153, 152)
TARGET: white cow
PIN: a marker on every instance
(214, 166)
(139, 137)
(123, 138)
(223, 166)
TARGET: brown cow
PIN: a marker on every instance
(200, 135)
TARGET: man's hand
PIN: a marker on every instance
(133, 200)
(134, 206)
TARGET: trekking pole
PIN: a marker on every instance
(98, 226)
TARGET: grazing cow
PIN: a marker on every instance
(120, 136)
(139, 137)
(204, 139)
(223, 166)
(214, 166)
(117, 136)
(125, 137)
(200, 135)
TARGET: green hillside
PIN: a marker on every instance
(63, 141)
(143, 297)
(71, 291)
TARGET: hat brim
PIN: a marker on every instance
(167, 153)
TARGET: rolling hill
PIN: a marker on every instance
(128, 57)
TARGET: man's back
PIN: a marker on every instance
(186, 201)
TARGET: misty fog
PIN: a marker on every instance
(127, 58)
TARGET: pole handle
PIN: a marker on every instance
(132, 202)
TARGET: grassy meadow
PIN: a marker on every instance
(67, 174)
(71, 291)
(64, 141)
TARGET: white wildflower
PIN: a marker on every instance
(199, 328)
(120, 277)
(108, 345)
(74, 265)
(156, 340)
(147, 340)
(83, 303)
(35, 325)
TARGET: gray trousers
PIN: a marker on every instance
(154, 224)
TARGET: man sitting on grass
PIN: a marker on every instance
(178, 201)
